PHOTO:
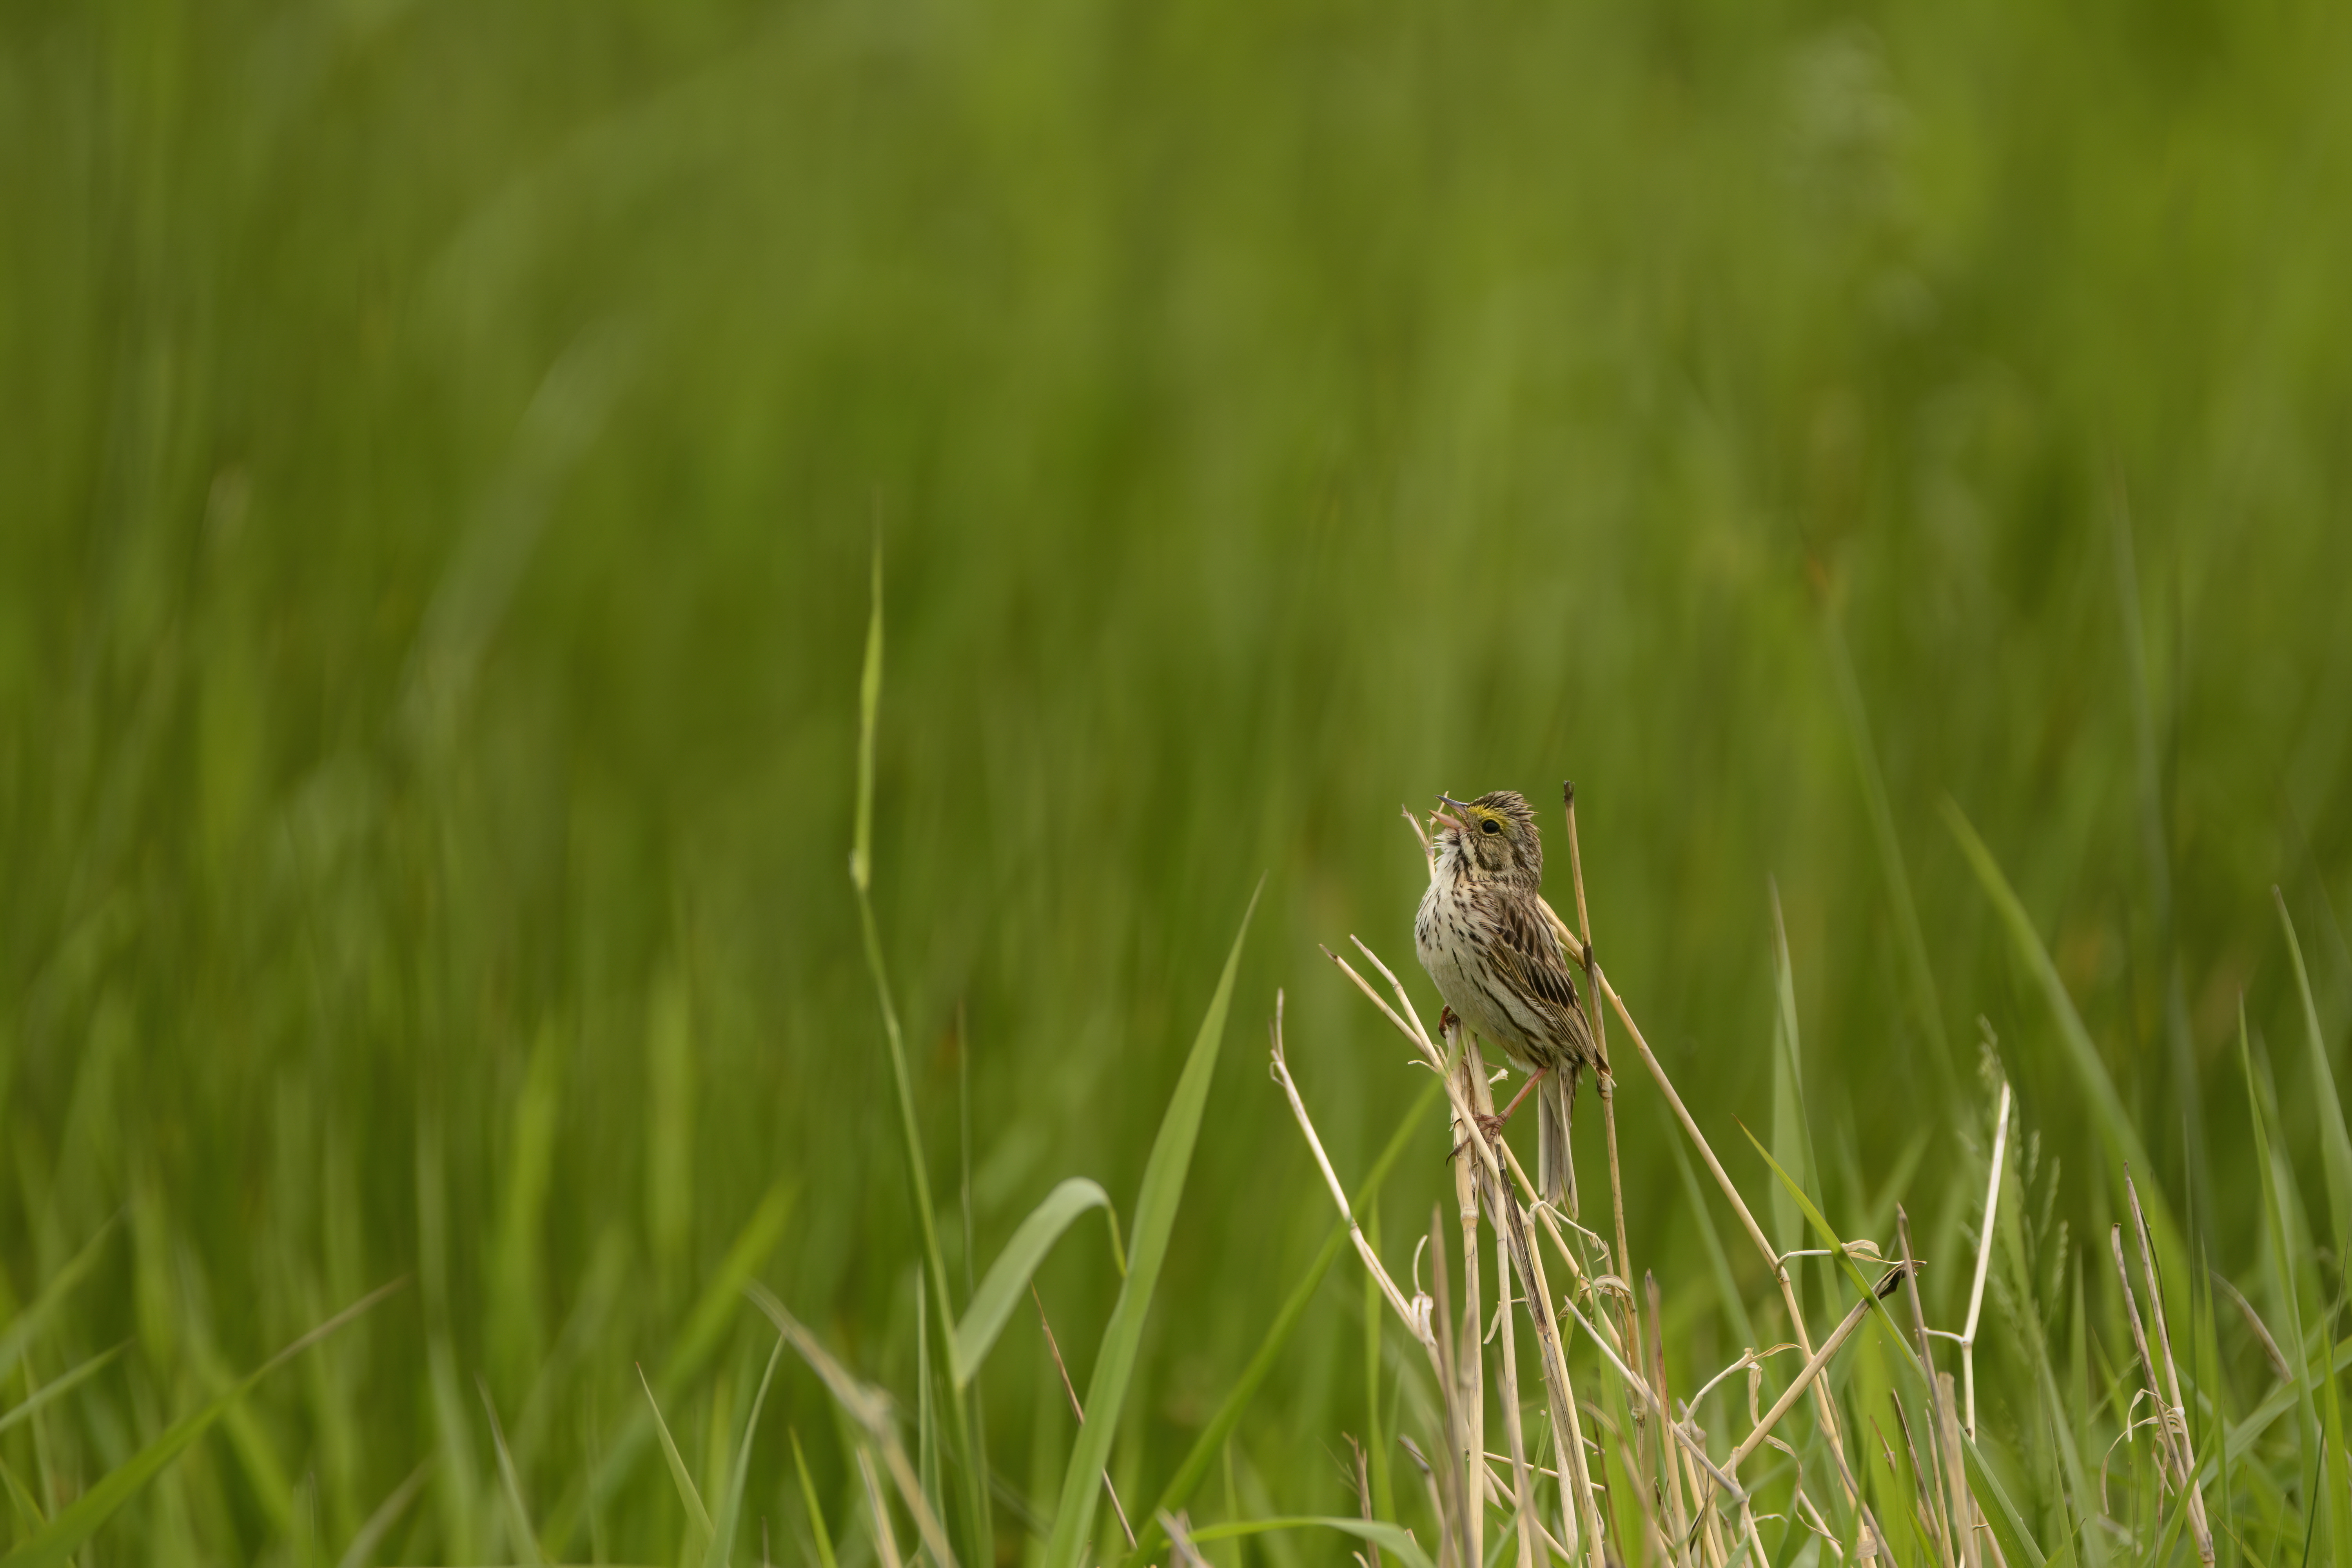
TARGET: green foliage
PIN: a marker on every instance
(448, 455)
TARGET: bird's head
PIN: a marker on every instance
(1494, 836)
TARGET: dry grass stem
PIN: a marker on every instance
(1812, 1369)
(2178, 1418)
(1178, 1530)
(870, 1408)
(1469, 1358)
(1956, 1480)
(1079, 1410)
(885, 1542)
(1824, 1409)
(1953, 1511)
(1984, 1256)
(2178, 1460)
(1604, 1076)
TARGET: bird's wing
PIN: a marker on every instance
(1565, 953)
(1530, 953)
(1570, 948)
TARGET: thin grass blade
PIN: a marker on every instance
(677, 1471)
(2112, 1122)
(731, 1510)
(80, 1519)
(815, 1512)
(2006, 1524)
(1000, 1291)
(387, 1514)
(1390, 1538)
(26, 1324)
(1211, 1440)
(1155, 1217)
(62, 1385)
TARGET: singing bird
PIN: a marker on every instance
(1501, 958)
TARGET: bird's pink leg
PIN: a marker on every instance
(1492, 1126)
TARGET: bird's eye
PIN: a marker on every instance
(1490, 826)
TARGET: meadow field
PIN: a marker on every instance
(497, 503)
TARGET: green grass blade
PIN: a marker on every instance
(26, 1324)
(2336, 1159)
(815, 1512)
(2334, 1143)
(2279, 1234)
(2007, 1525)
(1000, 1291)
(731, 1510)
(677, 1472)
(80, 1519)
(1726, 1284)
(869, 1408)
(1155, 1217)
(526, 1539)
(1921, 975)
(2108, 1117)
(708, 1318)
(387, 1514)
(1211, 1439)
(1390, 1538)
(977, 1519)
(57, 1387)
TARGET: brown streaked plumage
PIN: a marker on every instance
(1497, 953)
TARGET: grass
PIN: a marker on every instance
(1890, 457)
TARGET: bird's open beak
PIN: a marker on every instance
(1454, 823)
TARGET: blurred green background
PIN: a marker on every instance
(439, 452)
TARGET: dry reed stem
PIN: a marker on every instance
(1436, 1503)
(1953, 1516)
(886, 1541)
(1955, 1481)
(1813, 1367)
(1178, 1530)
(1469, 1357)
(1079, 1410)
(2198, 1523)
(1468, 1516)
(1417, 1315)
(870, 1408)
(1602, 1332)
(1922, 1507)
(1553, 1356)
(1677, 1515)
(1507, 1389)
(1604, 1076)
(1824, 1409)
(1984, 1257)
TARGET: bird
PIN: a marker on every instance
(1500, 957)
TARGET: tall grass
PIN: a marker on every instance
(441, 454)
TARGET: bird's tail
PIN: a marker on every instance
(1555, 1170)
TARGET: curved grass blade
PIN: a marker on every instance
(967, 1442)
(26, 1324)
(1155, 1217)
(815, 1510)
(1000, 1291)
(61, 1386)
(1390, 1538)
(526, 1539)
(869, 1407)
(731, 1509)
(1211, 1440)
(677, 1472)
(2007, 1525)
(713, 1312)
(2108, 1114)
(387, 1514)
(78, 1520)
